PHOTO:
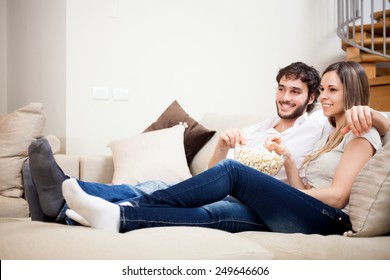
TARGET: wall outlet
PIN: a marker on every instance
(120, 94)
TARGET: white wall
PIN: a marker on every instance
(210, 55)
(36, 59)
(3, 57)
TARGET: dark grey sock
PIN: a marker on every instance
(31, 194)
(47, 177)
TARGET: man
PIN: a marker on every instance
(298, 89)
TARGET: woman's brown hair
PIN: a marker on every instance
(356, 91)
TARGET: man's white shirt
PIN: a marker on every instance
(299, 139)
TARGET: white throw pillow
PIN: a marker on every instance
(155, 155)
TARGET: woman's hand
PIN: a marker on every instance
(275, 143)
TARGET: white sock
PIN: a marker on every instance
(98, 213)
(76, 217)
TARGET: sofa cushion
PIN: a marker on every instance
(155, 155)
(17, 130)
(301, 246)
(195, 136)
(50, 241)
(370, 196)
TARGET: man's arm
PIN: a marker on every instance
(226, 141)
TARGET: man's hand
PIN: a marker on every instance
(230, 138)
(226, 141)
(358, 119)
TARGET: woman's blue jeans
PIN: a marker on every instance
(228, 214)
(281, 207)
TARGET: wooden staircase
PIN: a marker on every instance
(369, 44)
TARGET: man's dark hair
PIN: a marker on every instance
(307, 74)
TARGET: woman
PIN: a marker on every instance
(318, 206)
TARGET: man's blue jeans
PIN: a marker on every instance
(281, 207)
(227, 214)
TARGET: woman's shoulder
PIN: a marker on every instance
(371, 136)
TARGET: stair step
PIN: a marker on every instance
(357, 55)
(382, 71)
(379, 15)
(378, 43)
(380, 89)
(378, 28)
(379, 81)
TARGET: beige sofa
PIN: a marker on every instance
(21, 238)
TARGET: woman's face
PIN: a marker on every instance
(331, 96)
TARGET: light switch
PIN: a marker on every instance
(100, 93)
(120, 94)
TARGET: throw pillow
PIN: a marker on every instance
(195, 136)
(17, 130)
(369, 204)
(155, 155)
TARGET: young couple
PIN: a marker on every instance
(310, 195)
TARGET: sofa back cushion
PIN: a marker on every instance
(370, 196)
(17, 130)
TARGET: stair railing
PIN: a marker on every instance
(353, 17)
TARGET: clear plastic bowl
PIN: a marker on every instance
(260, 159)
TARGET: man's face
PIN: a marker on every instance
(292, 98)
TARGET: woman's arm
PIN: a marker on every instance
(274, 143)
(356, 154)
(294, 179)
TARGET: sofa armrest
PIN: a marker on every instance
(98, 169)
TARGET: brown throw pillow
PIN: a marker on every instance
(195, 136)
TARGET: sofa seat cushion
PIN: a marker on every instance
(319, 247)
(25, 239)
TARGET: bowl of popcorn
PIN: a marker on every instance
(260, 159)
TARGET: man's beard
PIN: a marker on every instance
(295, 114)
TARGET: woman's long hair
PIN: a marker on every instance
(356, 91)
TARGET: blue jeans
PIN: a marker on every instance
(228, 214)
(281, 207)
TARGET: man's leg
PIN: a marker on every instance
(47, 176)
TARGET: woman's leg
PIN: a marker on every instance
(228, 214)
(281, 207)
